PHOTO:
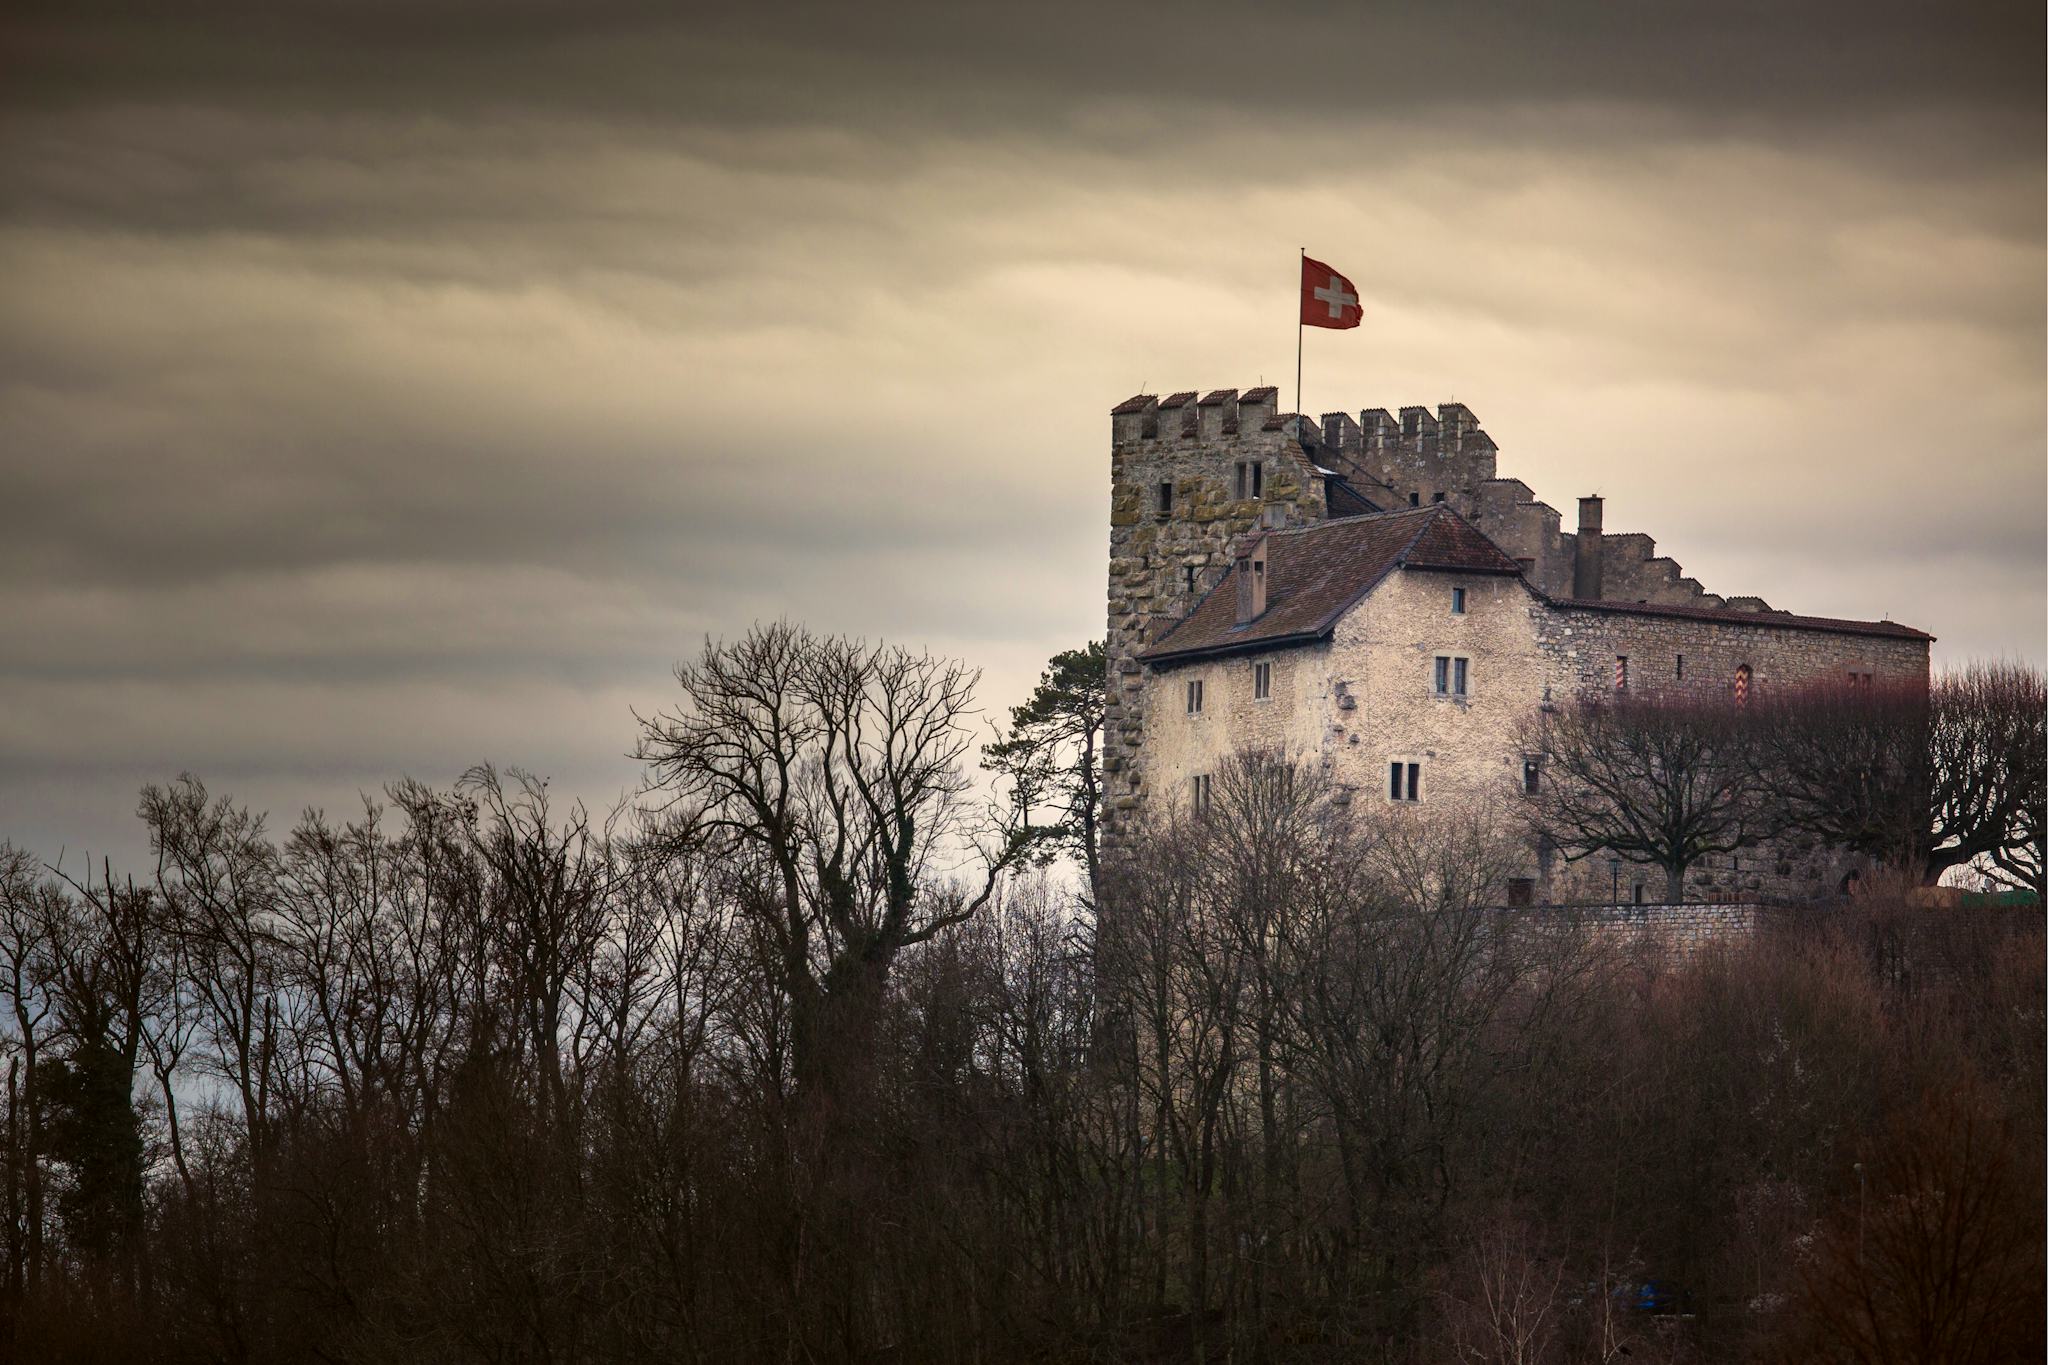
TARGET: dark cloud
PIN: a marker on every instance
(387, 387)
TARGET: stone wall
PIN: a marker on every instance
(1667, 931)
(1386, 648)
(1586, 641)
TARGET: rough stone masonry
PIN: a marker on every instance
(1411, 607)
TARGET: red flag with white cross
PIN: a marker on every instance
(1327, 298)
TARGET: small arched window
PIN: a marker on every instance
(1742, 685)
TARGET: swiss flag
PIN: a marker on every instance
(1327, 298)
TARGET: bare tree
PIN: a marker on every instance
(25, 926)
(1923, 778)
(1849, 766)
(1988, 753)
(1649, 780)
(840, 764)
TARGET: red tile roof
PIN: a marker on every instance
(1315, 573)
(1732, 616)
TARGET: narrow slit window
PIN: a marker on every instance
(1165, 504)
(1458, 670)
(1194, 696)
(1199, 793)
(1532, 775)
(1188, 573)
(1678, 669)
(1262, 681)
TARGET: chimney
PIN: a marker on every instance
(1251, 580)
(1586, 560)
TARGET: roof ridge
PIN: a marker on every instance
(1354, 520)
(1401, 555)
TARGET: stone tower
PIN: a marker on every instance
(1189, 475)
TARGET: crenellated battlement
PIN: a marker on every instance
(1222, 413)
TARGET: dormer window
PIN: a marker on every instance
(1251, 479)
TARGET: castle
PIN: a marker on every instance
(1371, 596)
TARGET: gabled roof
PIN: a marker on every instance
(1734, 616)
(1315, 573)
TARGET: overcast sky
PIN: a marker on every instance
(386, 388)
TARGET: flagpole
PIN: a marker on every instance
(1297, 343)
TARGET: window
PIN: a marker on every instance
(1457, 601)
(1415, 499)
(1742, 685)
(1458, 667)
(1188, 573)
(1262, 681)
(1521, 891)
(1639, 893)
(1404, 781)
(1678, 670)
(1194, 696)
(1621, 672)
(1436, 497)
(1198, 793)
(1165, 505)
(1859, 680)
(1451, 675)
(1251, 479)
(1411, 423)
(1532, 775)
